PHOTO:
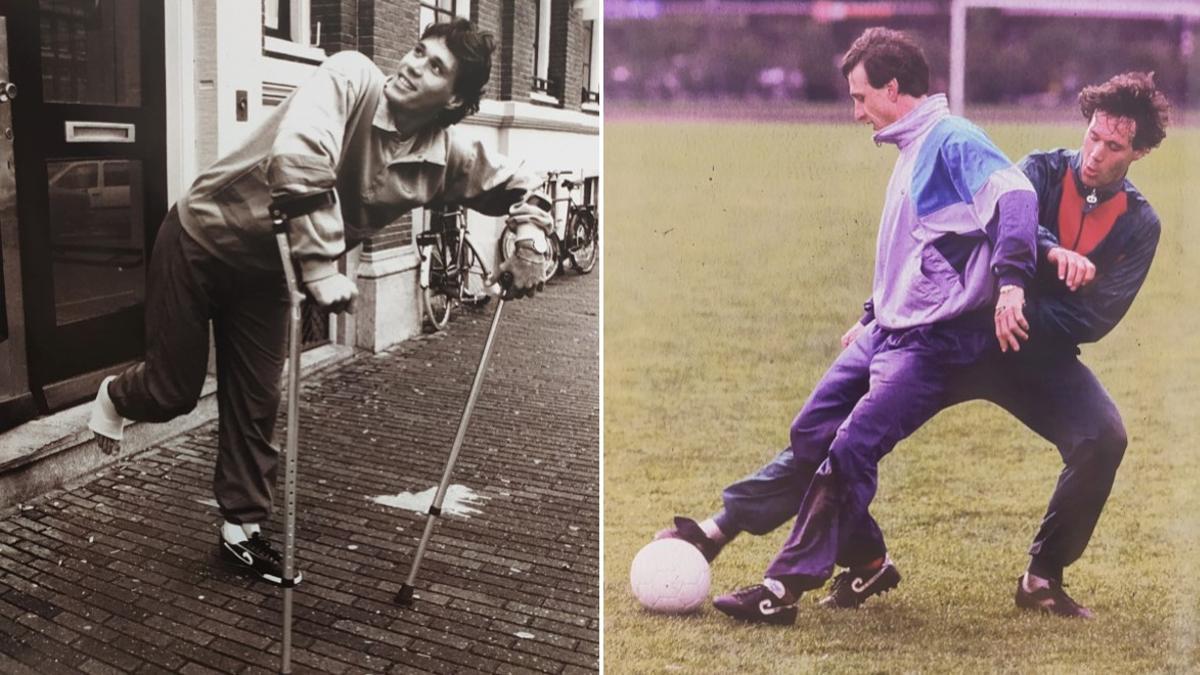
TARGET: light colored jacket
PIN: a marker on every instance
(945, 244)
(335, 130)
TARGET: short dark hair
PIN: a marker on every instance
(1133, 95)
(472, 49)
(888, 54)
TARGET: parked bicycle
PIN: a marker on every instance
(452, 272)
(580, 240)
(581, 237)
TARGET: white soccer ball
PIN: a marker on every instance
(670, 576)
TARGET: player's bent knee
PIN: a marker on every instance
(170, 409)
(1113, 441)
(807, 447)
(848, 461)
(1104, 445)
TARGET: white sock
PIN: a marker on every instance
(713, 532)
(233, 533)
(775, 586)
(1032, 582)
(250, 529)
(105, 420)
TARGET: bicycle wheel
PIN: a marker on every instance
(436, 299)
(555, 264)
(585, 245)
(472, 275)
(508, 246)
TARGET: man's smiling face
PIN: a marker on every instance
(424, 82)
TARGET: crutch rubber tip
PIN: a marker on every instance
(404, 597)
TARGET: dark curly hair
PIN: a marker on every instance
(888, 54)
(1131, 95)
(472, 48)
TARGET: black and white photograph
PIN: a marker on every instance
(300, 336)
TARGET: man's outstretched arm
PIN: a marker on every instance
(496, 185)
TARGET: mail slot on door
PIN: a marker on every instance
(99, 132)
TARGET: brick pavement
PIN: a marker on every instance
(121, 573)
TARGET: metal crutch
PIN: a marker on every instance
(282, 210)
(404, 597)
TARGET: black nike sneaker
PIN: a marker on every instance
(768, 602)
(1051, 599)
(257, 554)
(691, 532)
(852, 587)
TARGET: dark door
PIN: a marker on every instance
(16, 400)
(90, 153)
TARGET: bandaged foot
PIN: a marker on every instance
(106, 423)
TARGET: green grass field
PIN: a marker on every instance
(736, 255)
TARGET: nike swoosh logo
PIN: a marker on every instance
(859, 584)
(766, 608)
(242, 555)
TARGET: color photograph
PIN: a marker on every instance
(899, 354)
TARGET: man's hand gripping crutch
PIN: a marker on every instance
(530, 219)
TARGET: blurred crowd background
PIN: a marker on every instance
(769, 50)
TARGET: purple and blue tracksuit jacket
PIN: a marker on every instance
(959, 221)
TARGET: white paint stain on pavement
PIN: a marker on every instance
(458, 502)
(524, 636)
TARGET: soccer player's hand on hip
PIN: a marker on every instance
(1011, 326)
(1074, 269)
(851, 335)
(526, 268)
(335, 294)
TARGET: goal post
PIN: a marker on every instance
(1114, 9)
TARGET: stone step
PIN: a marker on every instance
(52, 451)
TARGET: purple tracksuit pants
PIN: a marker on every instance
(880, 390)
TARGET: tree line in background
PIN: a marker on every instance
(1030, 60)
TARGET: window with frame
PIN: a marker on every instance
(541, 49)
(442, 11)
(277, 19)
(289, 31)
(591, 59)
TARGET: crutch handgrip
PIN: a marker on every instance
(501, 286)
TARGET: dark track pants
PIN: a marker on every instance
(1063, 402)
(1058, 398)
(187, 288)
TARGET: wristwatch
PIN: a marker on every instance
(538, 245)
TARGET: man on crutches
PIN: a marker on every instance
(385, 145)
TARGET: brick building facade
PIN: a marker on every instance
(182, 84)
(550, 122)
